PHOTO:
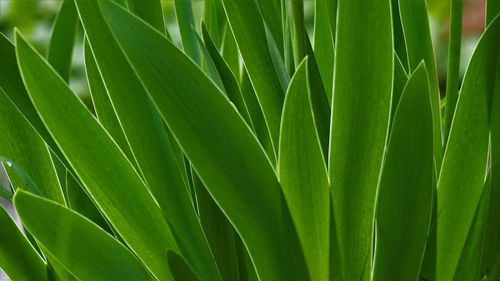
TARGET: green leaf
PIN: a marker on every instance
(304, 176)
(298, 31)
(492, 10)
(469, 267)
(81, 246)
(103, 165)
(253, 46)
(219, 231)
(103, 107)
(15, 248)
(62, 40)
(185, 18)
(181, 270)
(147, 136)
(417, 34)
(406, 182)
(27, 151)
(324, 50)
(150, 11)
(80, 202)
(398, 84)
(271, 13)
(491, 257)
(12, 83)
(360, 115)
(464, 166)
(397, 29)
(222, 149)
(228, 79)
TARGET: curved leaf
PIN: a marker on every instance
(253, 46)
(102, 166)
(148, 139)
(215, 138)
(82, 247)
(63, 38)
(14, 247)
(417, 34)
(359, 125)
(406, 182)
(464, 166)
(303, 174)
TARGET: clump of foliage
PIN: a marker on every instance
(251, 150)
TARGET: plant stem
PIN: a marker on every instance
(298, 30)
(453, 62)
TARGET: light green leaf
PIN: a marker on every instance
(102, 166)
(149, 141)
(103, 107)
(398, 84)
(12, 84)
(63, 38)
(303, 174)
(464, 166)
(228, 79)
(324, 32)
(405, 190)
(360, 117)
(185, 19)
(25, 148)
(253, 46)
(417, 34)
(271, 13)
(222, 149)
(14, 247)
(81, 246)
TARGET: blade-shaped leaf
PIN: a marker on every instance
(227, 77)
(14, 247)
(81, 246)
(417, 34)
(400, 79)
(253, 46)
(22, 145)
(464, 165)
(359, 125)
(149, 10)
(324, 33)
(181, 271)
(185, 18)
(303, 174)
(469, 267)
(102, 166)
(148, 138)
(222, 149)
(405, 190)
(63, 38)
